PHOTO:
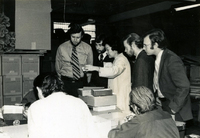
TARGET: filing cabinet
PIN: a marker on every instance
(12, 85)
(11, 65)
(17, 73)
(30, 65)
(28, 83)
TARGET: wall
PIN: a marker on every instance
(182, 28)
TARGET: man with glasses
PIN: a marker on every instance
(148, 122)
(171, 84)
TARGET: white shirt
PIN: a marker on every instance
(104, 55)
(157, 66)
(119, 80)
(60, 116)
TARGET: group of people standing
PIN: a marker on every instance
(155, 89)
(155, 67)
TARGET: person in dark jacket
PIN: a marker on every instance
(143, 68)
(148, 122)
(100, 58)
(171, 85)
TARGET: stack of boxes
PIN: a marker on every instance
(12, 79)
(17, 75)
(30, 70)
(98, 99)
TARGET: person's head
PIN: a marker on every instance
(49, 84)
(153, 40)
(99, 43)
(142, 100)
(132, 44)
(113, 46)
(76, 33)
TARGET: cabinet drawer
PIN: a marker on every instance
(12, 99)
(11, 65)
(12, 85)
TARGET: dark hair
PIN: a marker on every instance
(157, 36)
(38, 81)
(133, 37)
(51, 83)
(143, 98)
(75, 28)
(100, 38)
(86, 38)
(115, 43)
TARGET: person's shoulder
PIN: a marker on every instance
(170, 56)
(64, 44)
(36, 104)
(85, 45)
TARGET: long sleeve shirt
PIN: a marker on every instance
(60, 116)
(119, 80)
(63, 58)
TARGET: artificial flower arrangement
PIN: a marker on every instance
(7, 39)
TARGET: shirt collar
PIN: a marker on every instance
(138, 53)
(158, 57)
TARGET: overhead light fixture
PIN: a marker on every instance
(186, 7)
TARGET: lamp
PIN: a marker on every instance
(186, 7)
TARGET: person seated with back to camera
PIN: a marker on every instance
(32, 95)
(57, 114)
(148, 122)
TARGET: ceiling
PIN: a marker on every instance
(83, 11)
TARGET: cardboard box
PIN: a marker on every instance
(28, 83)
(104, 108)
(87, 91)
(101, 92)
(99, 101)
(30, 65)
(12, 99)
(12, 85)
(11, 65)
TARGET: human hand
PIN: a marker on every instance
(25, 112)
(173, 111)
(90, 68)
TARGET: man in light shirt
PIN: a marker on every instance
(64, 62)
(171, 84)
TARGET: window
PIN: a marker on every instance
(89, 29)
